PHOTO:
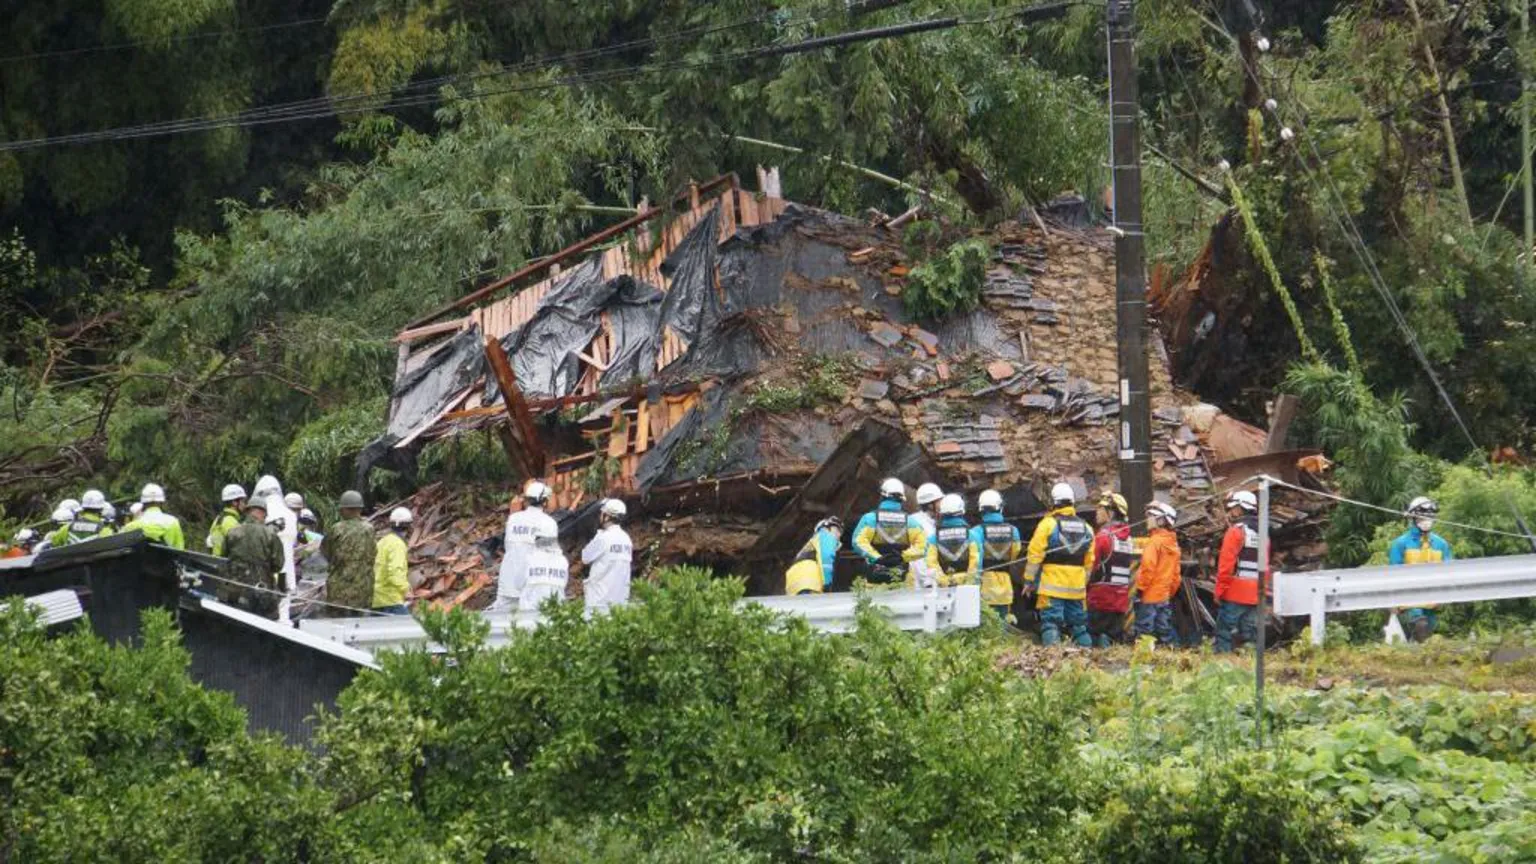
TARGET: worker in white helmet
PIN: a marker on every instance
(1060, 556)
(889, 540)
(959, 556)
(21, 544)
(1420, 545)
(293, 501)
(153, 522)
(88, 523)
(608, 557)
(233, 498)
(523, 528)
(1237, 574)
(547, 571)
(270, 490)
(391, 565)
(929, 496)
(1000, 547)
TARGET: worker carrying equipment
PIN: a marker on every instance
(352, 553)
(1237, 574)
(523, 528)
(1060, 556)
(1000, 547)
(547, 572)
(255, 562)
(391, 567)
(1109, 587)
(233, 497)
(958, 554)
(608, 557)
(87, 523)
(156, 525)
(816, 563)
(1159, 577)
(1420, 545)
(888, 540)
(928, 497)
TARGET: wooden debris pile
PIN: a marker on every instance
(450, 566)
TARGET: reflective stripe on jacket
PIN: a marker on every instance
(958, 553)
(1059, 577)
(158, 527)
(999, 543)
(1237, 568)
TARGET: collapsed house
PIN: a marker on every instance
(736, 367)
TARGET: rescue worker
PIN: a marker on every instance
(61, 517)
(21, 545)
(1060, 556)
(391, 567)
(72, 505)
(134, 510)
(155, 524)
(523, 528)
(306, 554)
(1237, 574)
(351, 551)
(956, 548)
(255, 561)
(1109, 586)
(547, 572)
(816, 562)
(109, 516)
(1158, 578)
(928, 497)
(294, 501)
(87, 523)
(1420, 545)
(890, 541)
(1000, 546)
(233, 497)
(608, 557)
(278, 513)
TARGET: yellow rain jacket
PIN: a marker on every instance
(390, 570)
(1054, 548)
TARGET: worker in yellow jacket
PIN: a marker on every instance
(958, 553)
(391, 570)
(1000, 547)
(1059, 558)
(153, 522)
(890, 541)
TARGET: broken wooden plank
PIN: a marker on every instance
(643, 428)
(527, 454)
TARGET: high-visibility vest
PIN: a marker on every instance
(997, 539)
(1071, 542)
(954, 546)
(890, 532)
(1248, 559)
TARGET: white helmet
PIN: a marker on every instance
(152, 494)
(108, 512)
(267, 486)
(232, 492)
(951, 505)
(307, 517)
(546, 535)
(1063, 493)
(71, 505)
(93, 500)
(1163, 511)
(62, 514)
(397, 516)
(25, 535)
(294, 501)
(536, 492)
(614, 508)
(990, 500)
(1244, 499)
(893, 489)
(928, 493)
(135, 508)
(1423, 506)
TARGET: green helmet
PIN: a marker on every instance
(350, 500)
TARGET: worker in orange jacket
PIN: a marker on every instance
(1237, 574)
(1158, 578)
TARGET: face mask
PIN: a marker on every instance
(1424, 523)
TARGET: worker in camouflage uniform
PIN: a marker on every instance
(349, 548)
(255, 559)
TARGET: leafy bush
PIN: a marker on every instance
(948, 283)
(1236, 812)
(817, 379)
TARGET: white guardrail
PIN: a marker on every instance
(1322, 592)
(928, 611)
(57, 607)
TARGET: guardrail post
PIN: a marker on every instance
(1319, 614)
(931, 608)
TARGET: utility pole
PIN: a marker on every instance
(1525, 145)
(1135, 440)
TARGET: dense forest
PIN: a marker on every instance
(214, 215)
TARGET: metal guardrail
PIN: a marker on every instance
(927, 611)
(333, 647)
(1322, 592)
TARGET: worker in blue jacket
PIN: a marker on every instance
(814, 565)
(1420, 545)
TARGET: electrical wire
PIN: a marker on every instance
(201, 574)
(1400, 513)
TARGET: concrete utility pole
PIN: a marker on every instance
(1135, 440)
(1529, 200)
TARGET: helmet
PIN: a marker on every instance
(257, 502)
(1114, 502)
(928, 493)
(307, 517)
(397, 516)
(831, 522)
(71, 505)
(135, 509)
(152, 494)
(1062, 493)
(232, 492)
(108, 512)
(350, 500)
(990, 500)
(25, 535)
(536, 493)
(62, 514)
(1165, 512)
(294, 501)
(93, 500)
(546, 534)
(893, 489)
(951, 505)
(614, 509)
(267, 485)
(1244, 499)
(1422, 506)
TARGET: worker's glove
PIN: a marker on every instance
(890, 559)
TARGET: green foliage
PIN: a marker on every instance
(816, 379)
(1472, 497)
(323, 455)
(949, 282)
(1233, 812)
